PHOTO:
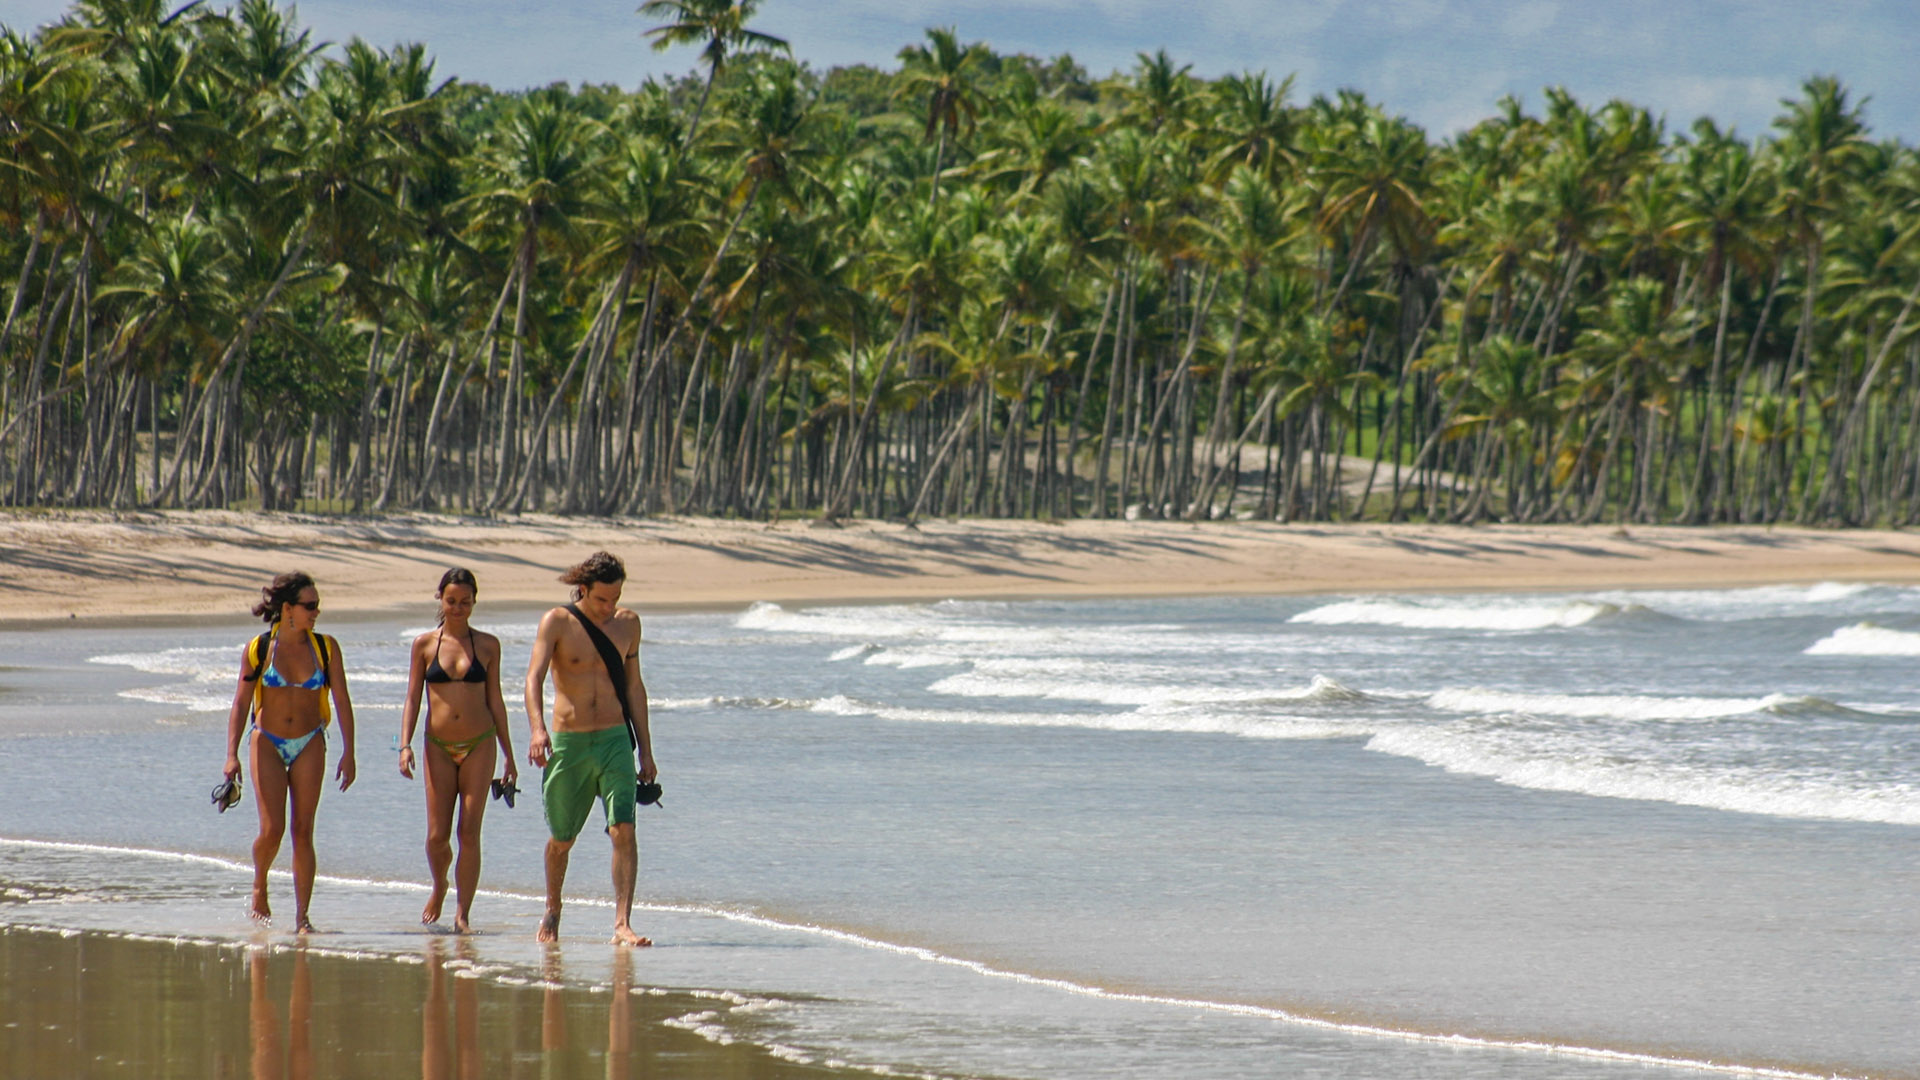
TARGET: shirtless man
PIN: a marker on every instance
(588, 758)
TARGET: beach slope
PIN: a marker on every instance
(97, 565)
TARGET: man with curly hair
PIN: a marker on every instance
(598, 726)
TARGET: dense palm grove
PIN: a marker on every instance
(241, 271)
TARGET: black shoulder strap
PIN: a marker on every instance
(616, 670)
(257, 649)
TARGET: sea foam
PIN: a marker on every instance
(1741, 791)
(988, 681)
(1458, 615)
(1625, 706)
(1866, 639)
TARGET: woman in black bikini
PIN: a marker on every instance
(457, 669)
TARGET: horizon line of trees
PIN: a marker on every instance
(240, 271)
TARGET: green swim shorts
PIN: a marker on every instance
(585, 766)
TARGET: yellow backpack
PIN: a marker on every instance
(257, 651)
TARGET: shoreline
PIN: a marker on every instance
(119, 568)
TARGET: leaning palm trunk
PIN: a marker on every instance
(234, 349)
(842, 499)
(26, 276)
(396, 427)
(1162, 485)
(1616, 420)
(1086, 386)
(1730, 465)
(1695, 509)
(958, 431)
(1257, 420)
(1216, 432)
(362, 467)
(506, 456)
(430, 442)
(587, 466)
(696, 383)
(1116, 390)
(601, 324)
(1833, 497)
(638, 385)
(1392, 423)
(430, 466)
(713, 266)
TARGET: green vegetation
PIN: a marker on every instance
(239, 272)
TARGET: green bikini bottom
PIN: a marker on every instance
(458, 749)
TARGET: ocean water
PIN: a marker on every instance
(1530, 835)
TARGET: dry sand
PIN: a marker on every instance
(56, 566)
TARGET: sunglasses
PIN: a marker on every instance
(310, 605)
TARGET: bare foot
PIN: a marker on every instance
(260, 912)
(431, 913)
(460, 924)
(549, 927)
(305, 925)
(624, 935)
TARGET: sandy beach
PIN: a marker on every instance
(91, 565)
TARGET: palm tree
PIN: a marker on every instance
(274, 266)
(1161, 97)
(1507, 406)
(1042, 137)
(1252, 127)
(535, 174)
(1821, 139)
(719, 27)
(1373, 179)
(942, 75)
(1639, 343)
(1259, 227)
(1725, 203)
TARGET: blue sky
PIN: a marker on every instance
(1442, 63)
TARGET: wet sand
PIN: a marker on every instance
(97, 565)
(97, 1005)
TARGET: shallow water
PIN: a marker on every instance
(1317, 835)
(115, 1005)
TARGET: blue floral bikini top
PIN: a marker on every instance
(272, 677)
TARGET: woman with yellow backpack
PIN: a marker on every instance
(291, 681)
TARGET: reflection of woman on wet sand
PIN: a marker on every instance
(288, 677)
(269, 1062)
(458, 670)
(433, 1023)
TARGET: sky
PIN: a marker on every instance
(1442, 63)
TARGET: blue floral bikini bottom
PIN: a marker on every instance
(289, 749)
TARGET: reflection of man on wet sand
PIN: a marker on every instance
(589, 757)
(553, 1014)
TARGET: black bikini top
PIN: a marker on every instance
(476, 671)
